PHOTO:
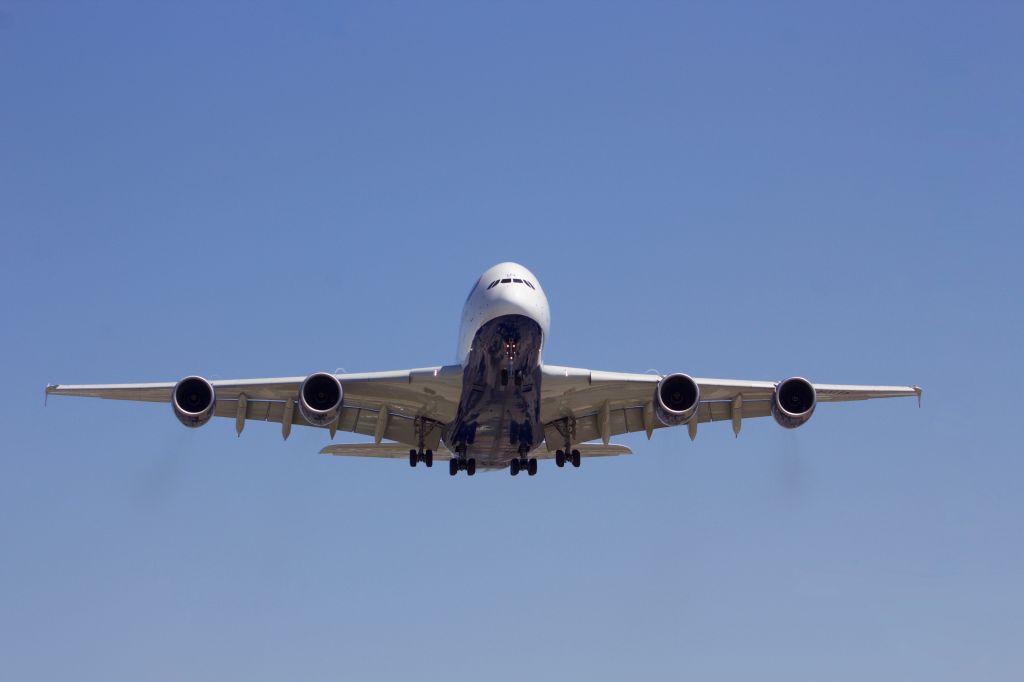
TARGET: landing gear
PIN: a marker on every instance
(510, 372)
(421, 456)
(523, 464)
(456, 464)
(567, 429)
(423, 428)
(561, 457)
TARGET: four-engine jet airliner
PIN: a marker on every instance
(500, 406)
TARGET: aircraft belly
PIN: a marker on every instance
(499, 416)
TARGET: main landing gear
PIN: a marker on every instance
(421, 456)
(561, 457)
(423, 428)
(523, 464)
(460, 463)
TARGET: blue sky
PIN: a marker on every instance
(256, 189)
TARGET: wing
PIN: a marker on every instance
(594, 404)
(399, 451)
(380, 450)
(393, 405)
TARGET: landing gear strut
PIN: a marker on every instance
(423, 428)
(567, 429)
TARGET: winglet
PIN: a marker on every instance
(49, 390)
(918, 390)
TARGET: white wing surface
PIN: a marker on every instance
(379, 450)
(399, 451)
(380, 404)
(597, 404)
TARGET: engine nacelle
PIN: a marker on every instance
(676, 399)
(320, 398)
(793, 402)
(194, 401)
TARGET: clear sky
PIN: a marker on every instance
(726, 189)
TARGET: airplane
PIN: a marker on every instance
(500, 406)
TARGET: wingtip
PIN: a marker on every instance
(918, 390)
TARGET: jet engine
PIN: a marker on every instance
(676, 399)
(320, 398)
(793, 402)
(194, 401)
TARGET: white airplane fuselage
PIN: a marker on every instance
(505, 322)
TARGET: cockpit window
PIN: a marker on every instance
(512, 280)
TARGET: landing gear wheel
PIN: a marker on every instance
(576, 458)
(531, 467)
(453, 466)
(412, 458)
(429, 458)
(559, 458)
(471, 466)
(513, 467)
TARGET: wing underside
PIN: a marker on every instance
(397, 405)
(410, 407)
(589, 405)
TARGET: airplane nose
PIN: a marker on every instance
(514, 298)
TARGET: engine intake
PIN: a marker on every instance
(320, 398)
(194, 401)
(793, 402)
(676, 399)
